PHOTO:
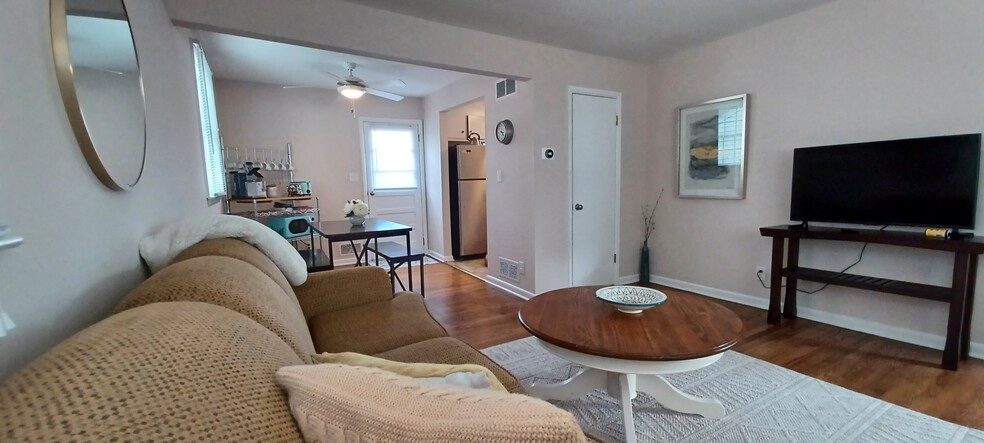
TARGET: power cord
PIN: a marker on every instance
(860, 256)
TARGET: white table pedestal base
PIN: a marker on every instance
(622, 379)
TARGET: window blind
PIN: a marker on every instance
(392, 156)
(214, 171)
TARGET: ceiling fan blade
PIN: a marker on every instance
(384, 94)
(335, 76)
(393, 83)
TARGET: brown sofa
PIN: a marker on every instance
(190, 353)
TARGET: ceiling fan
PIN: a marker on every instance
(354, 87)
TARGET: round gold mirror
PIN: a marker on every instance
(99, 77)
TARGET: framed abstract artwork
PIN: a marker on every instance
(711, 149)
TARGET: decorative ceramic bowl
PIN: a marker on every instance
(631, 299)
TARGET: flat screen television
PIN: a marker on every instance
(929, 182)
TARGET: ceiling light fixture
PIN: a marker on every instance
(351, 91)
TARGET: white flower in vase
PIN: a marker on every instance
(356, 211)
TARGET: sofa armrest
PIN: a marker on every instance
(328, 291)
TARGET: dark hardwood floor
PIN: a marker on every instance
(907, 375)
(471, 310)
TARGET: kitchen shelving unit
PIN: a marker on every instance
(275, 212)
(314, 255)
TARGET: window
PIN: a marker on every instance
(731, 125)
(392, 155)
(214, 173)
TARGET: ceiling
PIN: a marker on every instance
(640, 30)
(233, 57)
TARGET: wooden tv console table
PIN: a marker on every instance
(960, 295)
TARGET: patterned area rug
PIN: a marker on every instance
(764, 403)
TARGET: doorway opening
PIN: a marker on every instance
(320, 138)
(463, 132)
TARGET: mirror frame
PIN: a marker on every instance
(66, 83)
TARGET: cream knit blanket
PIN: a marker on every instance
(159, 248)
(335, 403)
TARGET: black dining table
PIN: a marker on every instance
(372, 230)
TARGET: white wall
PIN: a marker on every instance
(453, 121)
(847, 71)
(534, 193)
(320, 126)
(80, 254)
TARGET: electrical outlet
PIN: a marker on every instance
(762, 271)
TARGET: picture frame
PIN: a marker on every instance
(712, 150)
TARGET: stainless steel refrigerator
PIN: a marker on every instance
(469, 230)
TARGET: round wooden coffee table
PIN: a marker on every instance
(623, 353)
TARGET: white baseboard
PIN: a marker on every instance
(721, 294)
(919, 338)
(627, 279)
(509, 287)
(436, 256)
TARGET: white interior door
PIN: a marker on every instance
(394, 180)
(594, 189)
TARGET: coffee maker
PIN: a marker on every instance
(248, 183)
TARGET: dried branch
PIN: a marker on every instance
(649, 217)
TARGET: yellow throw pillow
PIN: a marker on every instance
(415, 370)
(334, 403)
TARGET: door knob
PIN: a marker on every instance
(372, 192)
(578, 207)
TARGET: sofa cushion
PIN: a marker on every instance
(375, 327)
(161, 372)
(240, 250)
(441, 371)
(335, 290)
(450, 351)
(232, 284)
(333, 403)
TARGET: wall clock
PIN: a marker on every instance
(504, 132)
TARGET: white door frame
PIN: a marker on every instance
(422, 179)
(571, 90)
